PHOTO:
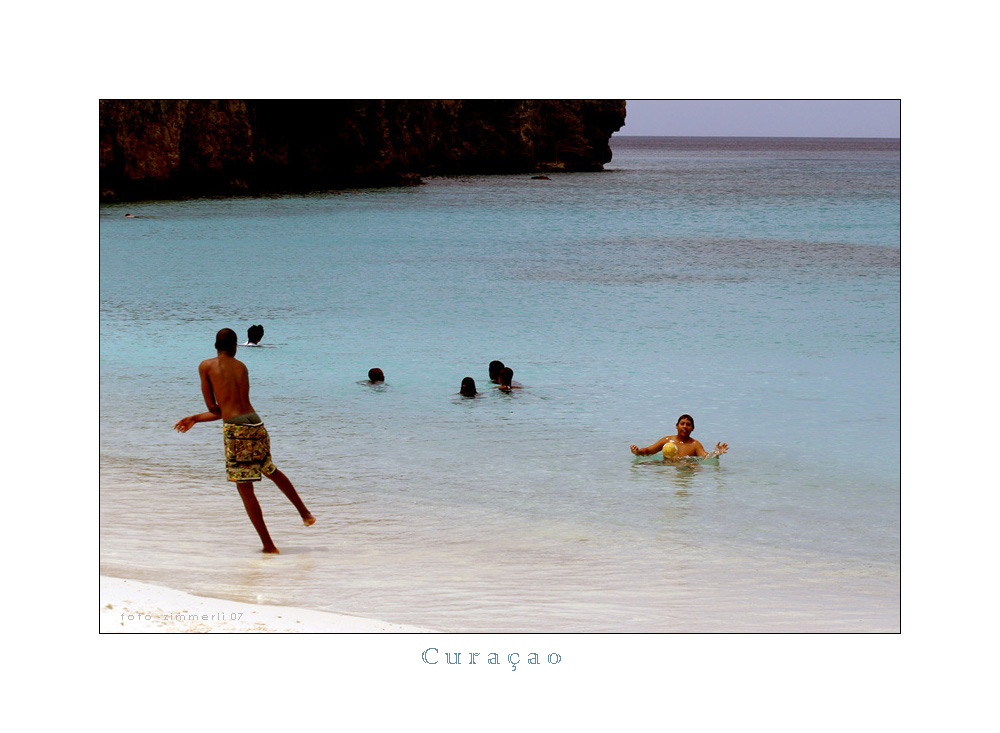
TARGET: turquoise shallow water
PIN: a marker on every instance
(753, 284)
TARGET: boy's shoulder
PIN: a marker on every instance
(215, 361)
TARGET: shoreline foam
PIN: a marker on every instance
(130, 606)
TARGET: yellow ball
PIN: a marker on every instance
(670, 450)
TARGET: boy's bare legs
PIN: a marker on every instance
(252, 506)
(289, 491)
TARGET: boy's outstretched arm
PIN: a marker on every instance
(186, 423)
(654, 448)
(719, 449)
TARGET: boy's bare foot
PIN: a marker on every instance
(272, 550)
(309, 521)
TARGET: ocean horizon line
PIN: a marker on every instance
(756, 137)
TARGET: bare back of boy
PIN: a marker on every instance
(225, 385)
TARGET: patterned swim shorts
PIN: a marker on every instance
(248, 452)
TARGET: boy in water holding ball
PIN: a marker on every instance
(681, 445)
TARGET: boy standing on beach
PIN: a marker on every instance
(225, 385)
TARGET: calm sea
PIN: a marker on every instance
(753, 283)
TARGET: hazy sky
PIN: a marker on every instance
(763, 118)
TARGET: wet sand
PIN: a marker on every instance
(128, 606)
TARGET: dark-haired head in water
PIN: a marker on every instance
(375, 375)
(255, 334)
(506, 379)
(495, 368)
(468, 388)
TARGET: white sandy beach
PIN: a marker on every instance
(128, 606)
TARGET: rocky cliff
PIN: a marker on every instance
(180, 148)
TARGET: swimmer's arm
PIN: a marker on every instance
(186, 423)
(719, 449)
(654, 448)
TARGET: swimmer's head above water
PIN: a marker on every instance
(375, 375)
(255, 334)
(495, 368)
(468, 388)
